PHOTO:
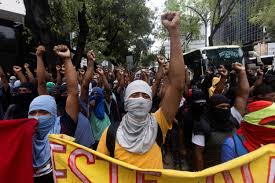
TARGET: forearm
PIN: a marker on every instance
(199, 161)
(220, 86)
(176, 74)
(105, 82)
(58, 78)
(41, 75)
(71, 77)
(30, 75)
(4, 80)
(21, 77)
(243, 85)
(85, 83)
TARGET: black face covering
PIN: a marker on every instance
(24, 99)
(197, 109)
(220, 119)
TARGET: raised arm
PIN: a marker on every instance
(58, 75)
(87, 77)
(29, 73)
(158, 76)
(104, 79)
(4, 79)
(222, 83)
(72, 107)
(176, 74)
(19, 73)
(243, 88)
(41, 71)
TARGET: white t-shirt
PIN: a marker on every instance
(200, 139)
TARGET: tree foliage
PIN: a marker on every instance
(263, 15)
(190, 22)
(113, 25)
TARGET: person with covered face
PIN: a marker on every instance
(140, 134)
(44, 109)
(257, 129)
(218, 122)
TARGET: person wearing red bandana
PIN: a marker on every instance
(256, 130)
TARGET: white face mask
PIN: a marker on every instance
(138, 107)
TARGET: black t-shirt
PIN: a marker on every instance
(68, 125)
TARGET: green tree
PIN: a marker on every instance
(190, 22)
(110, 27)
(263, 15)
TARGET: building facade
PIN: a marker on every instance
(237, 29)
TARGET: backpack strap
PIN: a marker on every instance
(111, 138)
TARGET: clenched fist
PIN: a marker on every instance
(40, 50)
(171, 21)
(62, 51)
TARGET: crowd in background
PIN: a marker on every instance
(142, 117)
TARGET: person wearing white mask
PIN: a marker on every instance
(138, 137)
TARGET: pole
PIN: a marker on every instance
(205, 32)
(205, 21)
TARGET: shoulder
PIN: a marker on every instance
(163, 123)
(228, 151)
(236, 114)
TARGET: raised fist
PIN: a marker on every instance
(17, 69)
(62, 51)
(40, 50)
(81, 71)
(91, 56)
(161, 59)
(26, 65)
(100, 71)
(57, 67)
(171, 21)
(238, 67)
(223, 72)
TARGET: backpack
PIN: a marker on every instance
(111, 138)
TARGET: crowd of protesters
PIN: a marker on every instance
(140, 117)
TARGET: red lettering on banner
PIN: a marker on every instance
(58, 148)
(210, 179)
(113, 173)
(246, 174)
(271, 170)
(140, 176)
(72, 163)
(227, 177)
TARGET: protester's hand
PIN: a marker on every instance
(62, 51)
(171, 21)
(160, 60)
(58, 68)
(91, 56)
(40, 50)
(260, 72)
(100, 71)
(238, 67)
(81, 71)
(223, 72)
(26, 65)
(17, 69)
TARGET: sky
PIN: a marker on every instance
(159, 6)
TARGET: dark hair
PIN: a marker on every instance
(263, 89)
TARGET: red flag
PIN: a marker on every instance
(16, 150)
